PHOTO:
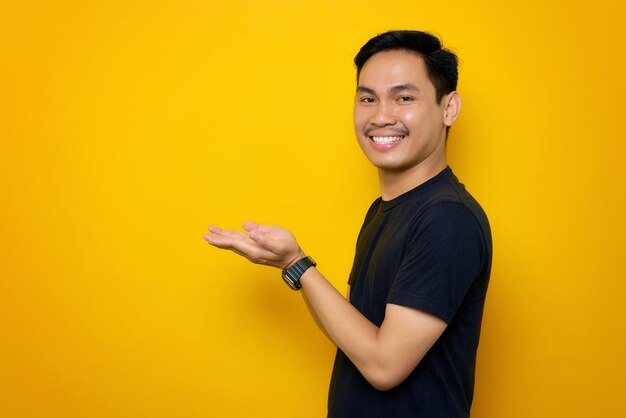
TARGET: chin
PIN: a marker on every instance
(390, 166)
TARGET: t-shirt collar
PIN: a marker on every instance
(389, 204)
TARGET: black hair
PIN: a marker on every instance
(441, 64)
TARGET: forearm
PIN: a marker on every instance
(353, 333)
(385, 355)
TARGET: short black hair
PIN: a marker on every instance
(441, 64)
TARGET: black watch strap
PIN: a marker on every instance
(291, 276)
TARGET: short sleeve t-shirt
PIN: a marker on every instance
(429, 249)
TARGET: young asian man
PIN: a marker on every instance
(408, 333)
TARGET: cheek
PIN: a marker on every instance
(419, 121)
(360, 121)
(410, 118)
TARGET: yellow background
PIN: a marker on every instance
(127, 127)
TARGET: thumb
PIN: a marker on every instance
(250, 226)
(253, 226)
(266, 242)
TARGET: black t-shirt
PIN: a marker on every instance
(429, 249)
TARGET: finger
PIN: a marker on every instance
(241, 245)
(250, 226)
(253, 226)
(210, 238)
(266, 229)
(227, 238)
(227, 232)
(214, 229)
(231, 234)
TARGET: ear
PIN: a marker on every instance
(451, 107)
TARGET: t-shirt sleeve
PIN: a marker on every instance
(442, 259)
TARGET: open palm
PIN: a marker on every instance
(261, 244)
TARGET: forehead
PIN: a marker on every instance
(392, 67)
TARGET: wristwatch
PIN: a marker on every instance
(291, 276)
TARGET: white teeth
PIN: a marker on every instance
(386, 139)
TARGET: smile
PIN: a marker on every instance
(386, 139)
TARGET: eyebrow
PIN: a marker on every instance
(393, 89)
(363, 89)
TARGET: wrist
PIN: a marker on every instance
(297, 258)
(291, 275)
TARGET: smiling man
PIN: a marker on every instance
(408, 332)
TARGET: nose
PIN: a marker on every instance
(384, 114)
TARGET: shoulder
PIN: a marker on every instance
(450, 208)
(452, 224)
(447, 220)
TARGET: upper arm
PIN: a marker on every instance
(444, 256)
(405, 336)
(441, 262)
(442, 259)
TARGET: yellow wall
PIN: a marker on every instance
(127, 127)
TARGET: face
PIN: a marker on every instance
(397, 120)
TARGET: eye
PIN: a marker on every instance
(405, 99)
(367, 100)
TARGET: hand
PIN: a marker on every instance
(262, 244)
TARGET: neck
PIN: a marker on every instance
(395, 183)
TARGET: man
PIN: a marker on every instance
(408, 335)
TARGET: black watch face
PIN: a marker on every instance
(287, 281)
(293, 284)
